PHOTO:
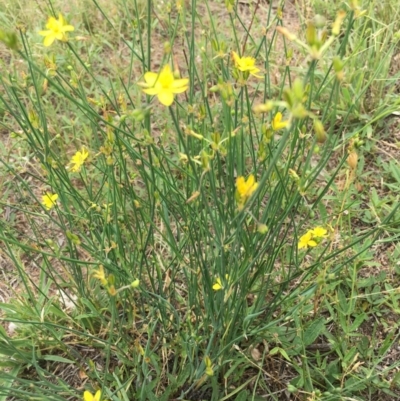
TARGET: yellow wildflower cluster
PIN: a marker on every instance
(312, 237)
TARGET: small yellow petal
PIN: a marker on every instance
(235, 57)
(150, 78)
(250, 181)
(277, 122)
(151, 91)
(166, 97)
(87, 396)
(45, 33)
(49, 39)
(68, 28)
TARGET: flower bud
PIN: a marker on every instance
(341, 15)
(205, 160)
(294, 175)
(319, 131)
(352, 160)
(338, 67)
(9, 39)
(319, 21)
(138, 114)
(311, 34)
(263, 108)
(285, 32)
(193, 197)
(262, 228)
(135, 283)
(167, 47)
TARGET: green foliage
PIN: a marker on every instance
(198, 250)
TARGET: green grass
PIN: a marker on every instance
(155, 276)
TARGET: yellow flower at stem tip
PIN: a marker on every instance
(245, 188)
(78, 159)
(88, 396)
(164, 85)
(319, 232)
(306, 241)
(49, 200)
(246, 64)
(56, 29)
(277, 122)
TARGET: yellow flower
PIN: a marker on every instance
(164, 85)
(277, 122)
(100, 275)
(78, 159)
(319, 232)
(218, 285)
(88, 396)
(245, 188)
(49, 200)
(246, 64)
(56, 29)
(306, 240)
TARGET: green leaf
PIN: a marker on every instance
(349, 357)
(278, 350)
(56, 358)
(344, 306)
(313, 331)
(242, 396)
(354, 384)
(8, 381)
(358, 321)
(235, 367)
(333, 371)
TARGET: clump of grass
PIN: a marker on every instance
(180, 230)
